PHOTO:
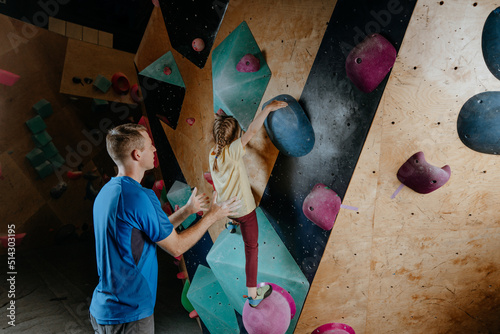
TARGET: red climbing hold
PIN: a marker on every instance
(8, 78)
(221, 112)
(334, 328)
(120, 83)
(181, 275)
(164, 119)
(18, 238)
(193, 314)
(249, 63)
(198, 44)
(135, 93)
(156, 3)
(190, 121)
(74, 175)
(167, 70)
(321, 206)
(422, 177)
(158, 187)
(369, 62)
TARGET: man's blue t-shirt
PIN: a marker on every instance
(128, 221)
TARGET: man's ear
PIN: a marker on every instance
(136, 155)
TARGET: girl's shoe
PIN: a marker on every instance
(262, 293)
(231, 227)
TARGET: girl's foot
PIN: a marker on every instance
(231, 227)
(262, 293)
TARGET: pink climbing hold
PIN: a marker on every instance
(249, 63)
(334, 328)
(284, 293)
(156, 3)
(208, 178)
(135, 93)
(198, 44)
(177, 207)
(271, 316)
(8, 239)
(190, 121)
(193, 314)
(163, 119)
(167, 70)
(321, 206)
(369, 62)
(422, 177)
(7, 78)
(181, 275)
(178, 257)
(158, 187)
(221, 112)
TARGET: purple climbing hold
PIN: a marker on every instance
(369, 62)
(321, 206)
(249, 63)
(419, 175)
(271, 316)
(334, 328)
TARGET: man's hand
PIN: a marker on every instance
(224, 209)
(197, 203)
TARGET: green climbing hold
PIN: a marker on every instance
(102, 83)
(43, 108)
(36, 124)
(184, 300)
(36, 157)
(41, 139)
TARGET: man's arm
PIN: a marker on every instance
(177, 244)
(195, 204)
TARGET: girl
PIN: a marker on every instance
(231, 180)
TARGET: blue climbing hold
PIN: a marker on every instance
(491, 42)
(478, 123)
(289, 128)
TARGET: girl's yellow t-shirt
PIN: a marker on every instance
(231, 180)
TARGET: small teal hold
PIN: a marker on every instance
(289, 128)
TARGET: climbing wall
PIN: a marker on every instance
(432, 256)
(419, 263)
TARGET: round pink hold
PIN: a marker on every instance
(156, 3)
(334, 328)
(190, 121)
(167, 70)
(249, 63)
(271, 316)
(198, 44)
(284, 293)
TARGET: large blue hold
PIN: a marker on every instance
(478, 123)
(289, 128)
(491, 42)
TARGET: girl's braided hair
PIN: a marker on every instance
(224, 131)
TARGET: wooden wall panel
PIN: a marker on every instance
(423, 263)
(289, 34)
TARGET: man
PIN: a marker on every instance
(128, 224)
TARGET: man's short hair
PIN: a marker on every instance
(123, 139)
